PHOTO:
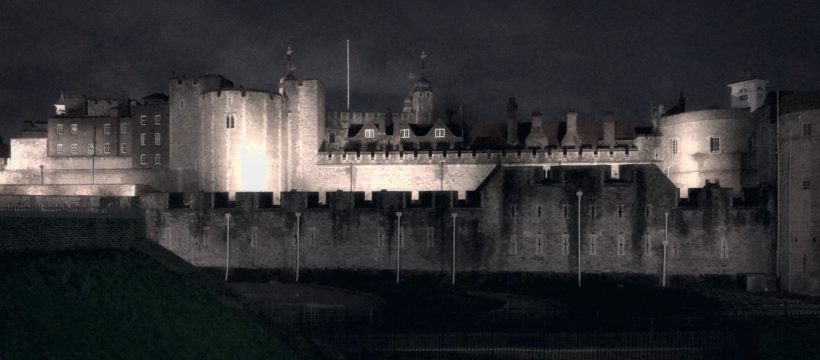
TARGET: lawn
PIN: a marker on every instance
(119, 304)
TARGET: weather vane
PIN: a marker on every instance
(289, 56)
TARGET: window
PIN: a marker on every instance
(806, 129)
(593, 244)
(254, 236)
(143, 120)
(724, 248)
(106, 148)
(380, 239)
(59, 149)
(513, 245)
(744, 97)
(806, 184)
(647, 245)
(107, 129)
(648, 211)
(59, 129)
(157, 139)
(143, 159)
(621, 245)
(539, 211)
(312, 241)
(157, 119)
(182, 104)
(332, 138)
(565, 211)
(430, 239)
(123, 128)
(592, 210)
(74, 149)
(90, 149)
(157, 159)
(439, 133)
(714, 144)
(538, 245)
(142, 139)
(74, 129)
(230, 121)
(124, 148)
(674, 146)
(404, 133)
(620, 211)
(565, 244)
(369, 133)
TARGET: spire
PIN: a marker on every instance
(289, 55)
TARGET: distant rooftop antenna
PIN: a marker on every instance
(348, 73)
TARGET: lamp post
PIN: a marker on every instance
(398, 246)
(579, 194)
(665, 244)
(453, 282)
(298, 248)
(42, 177)
(227, 245)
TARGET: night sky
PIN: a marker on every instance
(587, 56)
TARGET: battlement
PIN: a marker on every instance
(196, 81)
(520, 156)
(253, 93)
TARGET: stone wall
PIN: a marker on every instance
(516, 221)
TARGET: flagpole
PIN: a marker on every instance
(348, 74)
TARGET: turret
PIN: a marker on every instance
(749, 93)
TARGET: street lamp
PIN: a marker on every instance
(298, 248)
(665, 244)
(579, 194)
(398, 245)
(227, 245)
(455, 215)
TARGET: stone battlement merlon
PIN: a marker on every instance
(521, 156)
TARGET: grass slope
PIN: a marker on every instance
(116, 304)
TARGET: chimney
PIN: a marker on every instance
(571, 138)
(609, 129)
(512, 122)
(537, 137)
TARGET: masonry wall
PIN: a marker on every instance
(497, 229)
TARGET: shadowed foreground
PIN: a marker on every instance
(116, 304)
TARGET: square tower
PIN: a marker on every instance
(748, 94)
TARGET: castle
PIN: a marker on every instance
(210, 136)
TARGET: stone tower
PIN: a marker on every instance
(422, 97)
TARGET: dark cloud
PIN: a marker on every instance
(588, 56)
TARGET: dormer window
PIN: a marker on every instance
(404, 133)
(369, 133)
(744, 97)
(439, 133)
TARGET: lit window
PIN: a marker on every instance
(90, 149)
(107, 129)
(157, 139)
(157, 159)
(806, 184)
(807, 129)
(59, 149)
(123, 128)
(143, 159)
(157, 119)
(369, 133)
(106, 148)
(124, 148)
(74, 129)
(674, 146)
(142, 139)
(74, 149)
(714, 144)
(143, 120)
(404, 133)
(439, 133)
(59, 129)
